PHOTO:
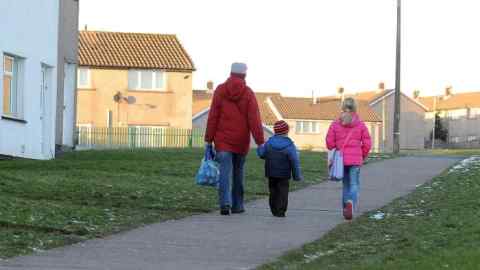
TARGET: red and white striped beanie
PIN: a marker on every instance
(281, 128)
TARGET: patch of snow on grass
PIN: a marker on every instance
(378, 216)
(464, 165)
(312, 257)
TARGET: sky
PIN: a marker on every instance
(297, 47)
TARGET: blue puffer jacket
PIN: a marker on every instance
(281, 158)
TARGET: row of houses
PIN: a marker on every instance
(145, 80)
(310, 118)
(459, 113)
(111, 79)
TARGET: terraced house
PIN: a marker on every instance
(203, 98)
(382, 101)
(133, 80)
(459, 113)
(309, 119)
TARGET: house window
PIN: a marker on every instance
(84, 78)
(315, 127)
(473, 113)
(307, 127)
(455, 139)
(12, 86)
(457, 114)
(146, 80)
(472, 138)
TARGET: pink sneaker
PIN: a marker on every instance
(348, 210)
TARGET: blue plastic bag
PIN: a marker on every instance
(208, 174)
(335, 165)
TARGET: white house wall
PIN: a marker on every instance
(67, 73)
(29, 29)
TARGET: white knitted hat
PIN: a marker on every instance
(239, 68)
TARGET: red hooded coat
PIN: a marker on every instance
(233, 116)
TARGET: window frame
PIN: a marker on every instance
(473, 113)
(89, 78)
(455, 139)
(314, 127)
(472, 138)
(16, 84)
(155, 73)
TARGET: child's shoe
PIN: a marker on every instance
(348, 210)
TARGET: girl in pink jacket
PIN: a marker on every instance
(350, 135)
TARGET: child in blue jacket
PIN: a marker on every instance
(281, 164)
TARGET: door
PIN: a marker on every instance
(44, 90)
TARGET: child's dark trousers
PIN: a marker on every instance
(278, 195)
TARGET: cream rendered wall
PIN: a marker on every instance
(172, 107)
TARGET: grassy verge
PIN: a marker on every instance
(82, 195)
(436, 227)
(445, 152)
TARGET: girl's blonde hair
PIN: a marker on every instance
(349, 105)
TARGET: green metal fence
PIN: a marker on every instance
(139, 137)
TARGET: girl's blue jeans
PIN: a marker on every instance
(351, 185)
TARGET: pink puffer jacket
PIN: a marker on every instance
(358, 146)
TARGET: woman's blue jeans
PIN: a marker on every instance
(231, 166)
(351, 185)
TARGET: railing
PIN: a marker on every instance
(138, 137)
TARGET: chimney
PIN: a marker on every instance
(210, 87)
(381, 87)
(416, 94)
(314, 99)
(448, 91)
(86, 27)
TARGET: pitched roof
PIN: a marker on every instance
(133, 50)
(455, 101)
(202, 100)
(303, 108)
(372, 97)
(368, 96)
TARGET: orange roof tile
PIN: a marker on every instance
(455, 101)
(304, 109)
(133, 50)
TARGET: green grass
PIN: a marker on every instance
(436, 227)
(83, 195)
(445, 152)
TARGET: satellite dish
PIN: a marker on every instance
(131, 100)
(117, 97)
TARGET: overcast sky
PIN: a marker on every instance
(301, 46)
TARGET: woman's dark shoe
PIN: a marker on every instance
(225, 211)
(238, 211)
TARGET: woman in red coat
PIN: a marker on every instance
(234, 116)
